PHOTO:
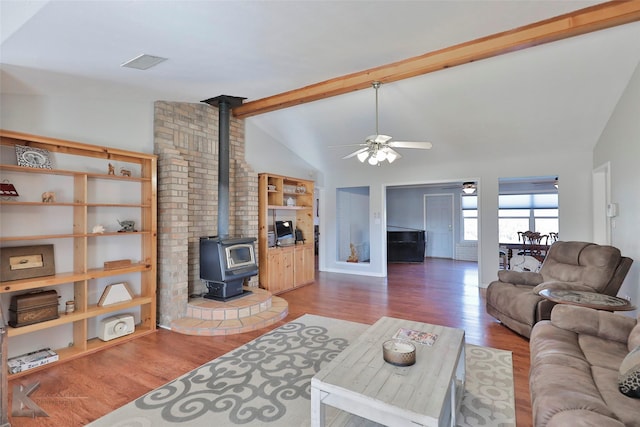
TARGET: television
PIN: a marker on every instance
(284, 233)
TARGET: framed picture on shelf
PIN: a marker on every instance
(33, 157)
(25, 262)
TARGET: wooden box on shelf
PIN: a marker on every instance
(33, 307)
(85, 279)
(282, 268)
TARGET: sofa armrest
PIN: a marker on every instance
(520, 277)
(597, 323)
(563, 286)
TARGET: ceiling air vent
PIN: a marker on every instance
(143, 62)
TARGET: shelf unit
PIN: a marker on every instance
(86, 275)
(282, 268)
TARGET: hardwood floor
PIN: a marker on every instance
(438, 291)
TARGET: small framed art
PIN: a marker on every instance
(33, 157)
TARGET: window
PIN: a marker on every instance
(469, 217)
(523, 212)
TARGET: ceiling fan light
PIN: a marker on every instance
(373, 160)
(469, 187)
(391, 156)
(363, 156)
(381, 156)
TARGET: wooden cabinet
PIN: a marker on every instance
(87, 194)
(281, 198)
(304, 265)
(280, 270)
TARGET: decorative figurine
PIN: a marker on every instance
(98, 229)
(127, 226)
(112, 169)
(49, 197)
(125, 172)
(354, 254)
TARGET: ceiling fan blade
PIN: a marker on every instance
(355, 153)
(410, 144)
(347, 145)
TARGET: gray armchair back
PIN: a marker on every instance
(601, 268)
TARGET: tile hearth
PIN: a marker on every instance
(208, 317)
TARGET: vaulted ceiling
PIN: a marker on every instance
(557, 95)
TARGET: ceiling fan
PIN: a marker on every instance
(378, 148)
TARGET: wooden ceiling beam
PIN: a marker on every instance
(583, 21)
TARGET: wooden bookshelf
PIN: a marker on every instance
(86, 272)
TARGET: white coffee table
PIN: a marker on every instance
(360, 382)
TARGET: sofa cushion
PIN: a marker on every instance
(582, 418)
(558, 388)
(629, 374)
(603, 324)
(601, 352)
(624, 408)
(554, 346)
(513, 301)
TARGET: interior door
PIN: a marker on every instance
(438, 224)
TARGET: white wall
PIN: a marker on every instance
(127, 124)
(620, 146)
(265, 154)
(123, 123)
(573, 170)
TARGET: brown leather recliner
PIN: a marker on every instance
(513, 299)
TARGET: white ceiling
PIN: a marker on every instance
(557, 95)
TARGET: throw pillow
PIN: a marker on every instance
(629, 379)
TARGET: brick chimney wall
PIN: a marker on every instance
(186, 143)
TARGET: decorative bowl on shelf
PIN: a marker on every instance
(289, 188)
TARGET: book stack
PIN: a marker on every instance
(31, 360)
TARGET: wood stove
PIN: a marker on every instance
(225, 262)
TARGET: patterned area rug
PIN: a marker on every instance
(267, 383)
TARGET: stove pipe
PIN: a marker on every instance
(224, 103)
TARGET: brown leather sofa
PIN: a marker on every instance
(575, 362)
(513, 299)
